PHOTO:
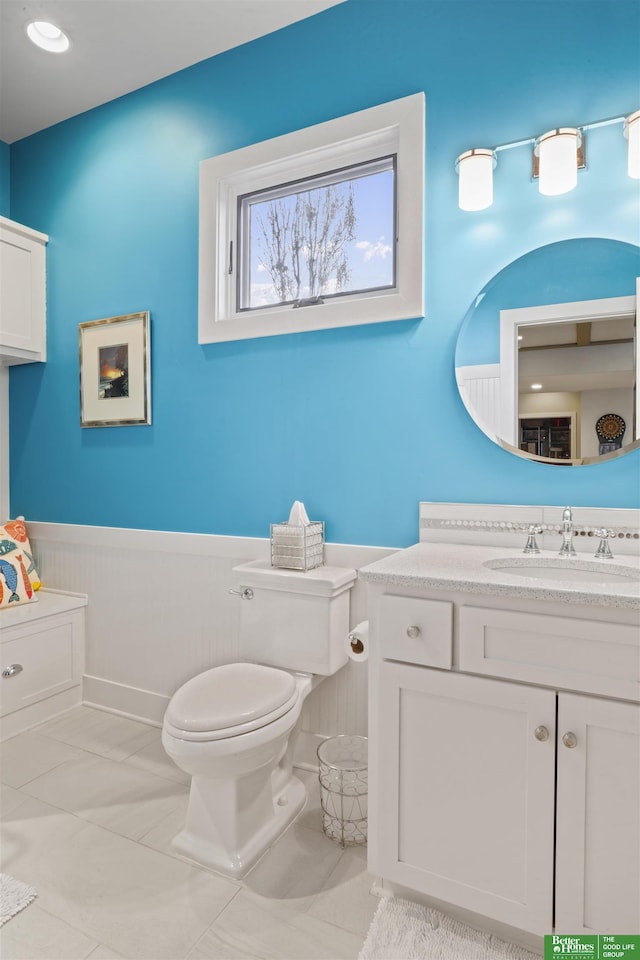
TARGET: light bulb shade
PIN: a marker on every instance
(557, 151)
(632, 133)
(475, 172)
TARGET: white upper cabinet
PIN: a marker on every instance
(22, 294)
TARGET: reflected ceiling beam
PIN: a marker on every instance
(583, 334)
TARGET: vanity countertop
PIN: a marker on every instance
(460, 567)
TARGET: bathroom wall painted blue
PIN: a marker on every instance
(360, 423)
(5, 205)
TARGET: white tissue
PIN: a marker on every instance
(298, 515)
(357, 642)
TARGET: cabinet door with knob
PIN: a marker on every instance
(464, 775)
(598, 817)
(473, 779)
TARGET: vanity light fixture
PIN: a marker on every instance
(536, 386)
(47, 36)
(557, 157)
(475, 187)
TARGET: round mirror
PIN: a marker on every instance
(547, 355)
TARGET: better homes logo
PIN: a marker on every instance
(600, 947)
(572, 946)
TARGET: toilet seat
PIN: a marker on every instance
(230, 700)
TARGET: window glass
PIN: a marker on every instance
(323, 237)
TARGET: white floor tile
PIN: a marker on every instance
(346, 899)
(153, 759)
(160, 837)
(90, 806)
(29, 755)
(105, 953)
(98, 732)
(296, 866)
(35, 934)
(251, 927)
(114, 795)
(10, 798)
(127, 897)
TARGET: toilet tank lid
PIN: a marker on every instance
(322, 581)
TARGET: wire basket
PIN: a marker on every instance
(344, 789)
(297, 547)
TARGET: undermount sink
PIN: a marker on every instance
(569, 569)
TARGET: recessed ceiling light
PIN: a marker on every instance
(536, 386)
(47, 36)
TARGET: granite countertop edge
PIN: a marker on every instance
(459, 567)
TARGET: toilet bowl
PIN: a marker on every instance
(233, 728)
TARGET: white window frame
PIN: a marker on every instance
(396, 128)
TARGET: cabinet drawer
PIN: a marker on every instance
(565, 652)
(49, 652)
(415, 630)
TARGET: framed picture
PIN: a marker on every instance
(115, 372)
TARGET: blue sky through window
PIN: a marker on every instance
(365, 259)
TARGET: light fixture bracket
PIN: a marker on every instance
(476, 152)
(581, 156)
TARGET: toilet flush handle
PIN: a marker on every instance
(246, 593)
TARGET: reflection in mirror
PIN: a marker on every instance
(547, 375)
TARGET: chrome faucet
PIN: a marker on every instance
(567, 549)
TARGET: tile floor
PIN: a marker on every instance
(89, 805)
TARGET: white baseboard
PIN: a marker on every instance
(142, 705)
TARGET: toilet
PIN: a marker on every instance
(233, 728)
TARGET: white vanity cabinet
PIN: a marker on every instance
(41, 659)
(463, 809)
(504, 755)
(22, 293)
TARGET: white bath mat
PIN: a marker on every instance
(401, 930)
(14, 897)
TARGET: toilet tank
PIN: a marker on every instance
(295, 620)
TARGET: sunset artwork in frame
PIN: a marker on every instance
(115, 371)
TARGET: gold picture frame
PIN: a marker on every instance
(115, 371)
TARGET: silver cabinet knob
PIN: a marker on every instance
(12, 670)
(570, 740)
(541, 733)
(245, 594)
(413, 631)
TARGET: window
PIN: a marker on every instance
(319, 228)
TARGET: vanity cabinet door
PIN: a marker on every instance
(598, 819)
(462, 778)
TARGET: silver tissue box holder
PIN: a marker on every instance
(297, 547)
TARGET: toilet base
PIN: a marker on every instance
(202, 848)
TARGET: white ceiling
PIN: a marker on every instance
(118, 46)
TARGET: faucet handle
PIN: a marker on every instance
(604, 550)
(531, 546)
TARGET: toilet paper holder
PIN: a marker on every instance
(356, 643)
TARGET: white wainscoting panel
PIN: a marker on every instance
(480, 387)
(159, 612)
